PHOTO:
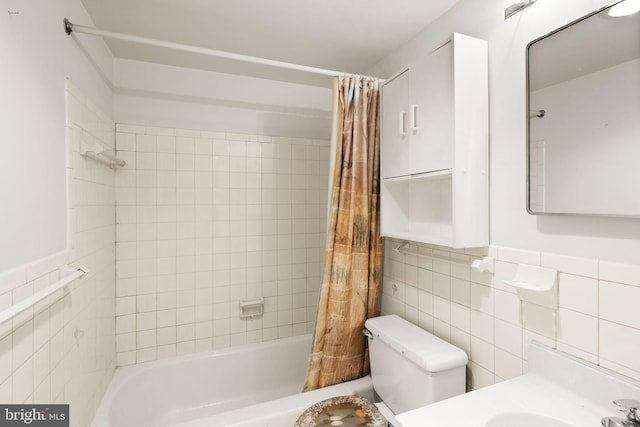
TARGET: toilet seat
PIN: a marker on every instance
(344, 411)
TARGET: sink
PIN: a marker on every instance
(525, 419)
(559, 390)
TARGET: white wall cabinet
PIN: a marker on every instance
(434, 148)
(394, 136)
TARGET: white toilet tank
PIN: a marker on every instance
(411, 367)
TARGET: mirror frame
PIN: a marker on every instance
(528, 121)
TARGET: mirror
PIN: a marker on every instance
(583, 127)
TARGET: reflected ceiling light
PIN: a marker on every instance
(624, 8)
(516, 7)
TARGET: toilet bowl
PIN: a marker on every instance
(410, 368)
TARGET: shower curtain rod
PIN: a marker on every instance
(70, 27)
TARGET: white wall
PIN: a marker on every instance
(167, 96)
(56, 209)
(62, 350)
(36, 57)
(612, 239)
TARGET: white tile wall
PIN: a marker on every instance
(537, 158)
(63, 349)
(596, 319)
(205, 220)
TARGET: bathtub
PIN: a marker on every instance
(255, 385)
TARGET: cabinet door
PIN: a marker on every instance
(394, 141)
(431, 112)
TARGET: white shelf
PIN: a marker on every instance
(426, 176)
(419, 237)
(538, 285)
(100, 154)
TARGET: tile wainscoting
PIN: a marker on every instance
(477, 312)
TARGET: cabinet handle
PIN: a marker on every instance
(413, 119)
(403, 115)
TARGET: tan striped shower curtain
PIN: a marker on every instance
(353, 254)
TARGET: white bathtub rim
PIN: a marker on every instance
(123, 375)
(297, 404)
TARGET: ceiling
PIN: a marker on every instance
(343, 35)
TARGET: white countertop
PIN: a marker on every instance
(529, 393)
(566, 391)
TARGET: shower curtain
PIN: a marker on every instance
(350, 288)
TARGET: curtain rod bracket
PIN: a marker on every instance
(68, 26)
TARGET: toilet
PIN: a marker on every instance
(410, 368)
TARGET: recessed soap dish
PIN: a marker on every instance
(538, 285)
(250, 309)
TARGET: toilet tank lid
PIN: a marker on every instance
(427, 351)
